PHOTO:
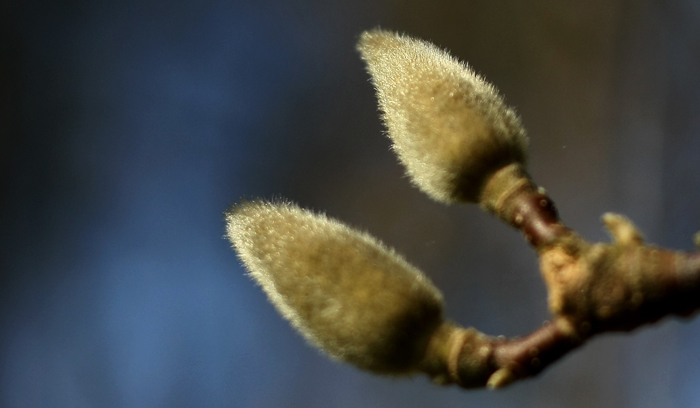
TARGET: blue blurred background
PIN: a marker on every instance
(127, 128)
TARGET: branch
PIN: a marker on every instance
(470, 359)
(593, 289)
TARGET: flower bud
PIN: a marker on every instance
(450, 127)
(343, 290)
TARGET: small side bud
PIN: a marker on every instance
(343, 290)
(622, 230)
(450, 127)
(500, 378)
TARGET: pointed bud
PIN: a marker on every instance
(450, 128)
(343, 290)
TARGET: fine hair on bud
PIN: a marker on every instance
(343, 290)
(450, 128)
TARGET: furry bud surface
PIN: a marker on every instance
(450, 128)
(343, 290)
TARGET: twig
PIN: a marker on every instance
(593, 288)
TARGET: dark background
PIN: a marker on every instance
(127, 128)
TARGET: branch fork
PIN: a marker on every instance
(592, 288)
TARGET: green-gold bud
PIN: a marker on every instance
(342, 289)
(450, 128)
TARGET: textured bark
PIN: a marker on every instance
(593, 288)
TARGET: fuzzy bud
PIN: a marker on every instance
(343, 290)
(450, 127)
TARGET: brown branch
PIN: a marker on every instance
(593, 288)
(471, 359)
